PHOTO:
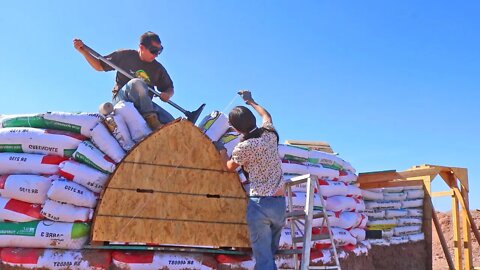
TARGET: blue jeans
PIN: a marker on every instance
(136, 91)
(265, 219)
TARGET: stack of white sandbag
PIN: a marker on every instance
(397, 212)
(53, 166)
(343, 198)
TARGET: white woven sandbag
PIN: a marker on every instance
(394, 196)
(333, 219)
(137, 126)
(409, 221)
(396, 240)
(294, 153)
(102, 138)
(416, 237)
(214, 125)
(231, 262)
(148, 260)
(58, 211)
(347, 177)
(349, 220)
(39, 141)
(358, 233)
(379, 242)
(81, 123)
(412, 203)
(25, 187)
(84, 175)
(286, 238)
(374, 213)
(370, 195)
(230, 139)
(404, 230)
(387, 233)
(21, 163)
(415, 194)
(383, 204)
(72, 193)
(395, 213)
(118, 128)
(332, 188)
(294, 168)
(392, 189)
(415, 212)
(88, 154)
(56, 259)
(348, 167)
(322, 172)
(405, 188)
(327, 159)
(18, 211)
(44, 234)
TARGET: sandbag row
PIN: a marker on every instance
(397, 212)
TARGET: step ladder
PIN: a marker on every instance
(305, 217)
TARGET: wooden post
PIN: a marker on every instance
(427, 220)
(467, 239)
(448, 257)
(457, 247)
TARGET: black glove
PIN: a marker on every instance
(219, 146)
(246, 95)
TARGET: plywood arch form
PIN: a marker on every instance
(173, 189)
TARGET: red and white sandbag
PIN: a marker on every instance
(21, 163)
(25, 187)
(102, 138)
(344, 204)
(72, 193)
(291, 152)
(354, 191)
(118, 128)
(341, 237)
(147, 260)
(84, 175)
(44, 234)
(18, 211)
(349, 220)
(347, 176)
(137, 125)
(88, 154)
(39, 141)
(230, 139)
(56, 259)
(64, 212)
(359, 234)
(332, 188)
(300, 198)
(214, 125)
(233, 262)
(74, 122)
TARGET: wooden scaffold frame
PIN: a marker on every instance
(462, 221)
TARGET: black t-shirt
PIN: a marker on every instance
(153, 73)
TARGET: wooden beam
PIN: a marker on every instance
(442, 193)
(467, 238)
(470, 218)
(457, 247)
(427, 220)
(401, 183)
(373, 177)
(438, 227)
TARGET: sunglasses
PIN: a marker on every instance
(154, 50)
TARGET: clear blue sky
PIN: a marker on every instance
(389, 84)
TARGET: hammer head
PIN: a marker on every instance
(193, 116)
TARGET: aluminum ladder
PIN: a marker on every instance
(305, 217)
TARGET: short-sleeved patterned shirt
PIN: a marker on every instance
(260, 158)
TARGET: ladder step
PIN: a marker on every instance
(315, 237)
(298, 214)
(324, 267)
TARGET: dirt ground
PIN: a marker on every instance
(439, 261)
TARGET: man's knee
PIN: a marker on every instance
(138, 86)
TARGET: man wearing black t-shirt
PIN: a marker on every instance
(142, 65)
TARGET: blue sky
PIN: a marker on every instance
(389, 84)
